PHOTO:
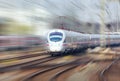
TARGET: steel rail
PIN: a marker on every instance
(102, 74)
(26, 64)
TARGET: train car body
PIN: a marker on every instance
(61, 41)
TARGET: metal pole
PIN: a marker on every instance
(102, 28)
(117, 18)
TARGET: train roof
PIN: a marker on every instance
(66, 32)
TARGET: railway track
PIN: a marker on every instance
(33, 49)
(54, 78)
(106, 71)
(16, 54)
(22, 57)
(64, 66)
(26, 64)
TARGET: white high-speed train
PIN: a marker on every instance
(61, 41)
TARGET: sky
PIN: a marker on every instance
(83, 10)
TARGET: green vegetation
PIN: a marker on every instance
(15, 28)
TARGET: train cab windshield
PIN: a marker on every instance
(56, 36)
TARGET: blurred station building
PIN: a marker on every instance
(72, 24)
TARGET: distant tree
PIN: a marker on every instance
(19, 29)
(2, 29)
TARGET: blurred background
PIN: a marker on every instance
(35, 17)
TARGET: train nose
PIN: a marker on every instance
(55, 47)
